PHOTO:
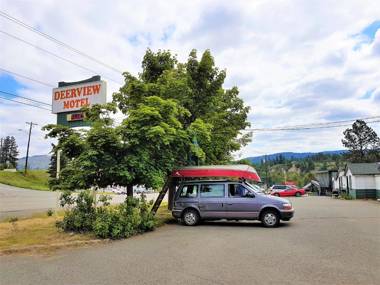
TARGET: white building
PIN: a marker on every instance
(361, 180)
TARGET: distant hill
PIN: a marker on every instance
(291, 155)
(35, 162)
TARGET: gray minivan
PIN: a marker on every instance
(231, 200)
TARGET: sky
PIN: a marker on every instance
(294, 62)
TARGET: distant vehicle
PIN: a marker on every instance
(139, 189)
(286, 190)
(118, 190)
(213, 200)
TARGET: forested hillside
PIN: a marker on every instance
(280, 168)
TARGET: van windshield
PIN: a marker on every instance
(254, 188)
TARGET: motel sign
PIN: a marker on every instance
(70, 97)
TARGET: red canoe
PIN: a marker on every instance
(235, 170)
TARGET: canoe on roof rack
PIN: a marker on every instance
(234, 170)
(215, 171)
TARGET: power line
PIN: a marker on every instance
(51, 38)
(55, 55)
(26, 98)
(312, 126)
(26, 77)
(4, 98)
(327, 123)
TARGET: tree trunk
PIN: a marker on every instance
(130, 190)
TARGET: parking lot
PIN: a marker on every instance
(329, 241)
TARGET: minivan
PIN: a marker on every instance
(232, 200)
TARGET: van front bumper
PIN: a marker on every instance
(287, 215)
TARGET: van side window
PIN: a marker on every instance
(236, 190)
(189, 191)
(212, 190)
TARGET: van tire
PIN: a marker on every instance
(270, 219)
(190, 217)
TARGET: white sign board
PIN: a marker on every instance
(74, 97)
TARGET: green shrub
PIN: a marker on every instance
(124, 220)
(82, 216)
(49, 213)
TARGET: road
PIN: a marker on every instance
(328, 242)
(21, 202)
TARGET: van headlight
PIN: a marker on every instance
(287, 206)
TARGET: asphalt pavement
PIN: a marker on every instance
(329, 241)
(20, 202)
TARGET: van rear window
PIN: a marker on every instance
(212, 190)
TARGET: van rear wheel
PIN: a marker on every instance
(190, 217)
(270, 219)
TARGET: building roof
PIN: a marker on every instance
(364, 168)
(324, 171)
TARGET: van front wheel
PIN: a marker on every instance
(190, 217)
(270, 219)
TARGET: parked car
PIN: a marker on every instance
(212, 200)
(119, 190)
(286, 190)
(139, 189)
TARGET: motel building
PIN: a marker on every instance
(359, 180)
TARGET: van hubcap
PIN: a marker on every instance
(270, 219)
(190, 218)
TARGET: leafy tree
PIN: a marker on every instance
(363, 143)
(155, 64)
(197, 87)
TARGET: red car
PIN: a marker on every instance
(286, 190)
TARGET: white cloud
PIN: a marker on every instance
(295, 62)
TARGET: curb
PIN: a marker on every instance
(51, 246)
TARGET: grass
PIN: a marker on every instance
(34, 179)
(40, 230)
(163, 215)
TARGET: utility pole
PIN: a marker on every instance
(58, 163)
(266, 171)
(27, 149)
(1, 150)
